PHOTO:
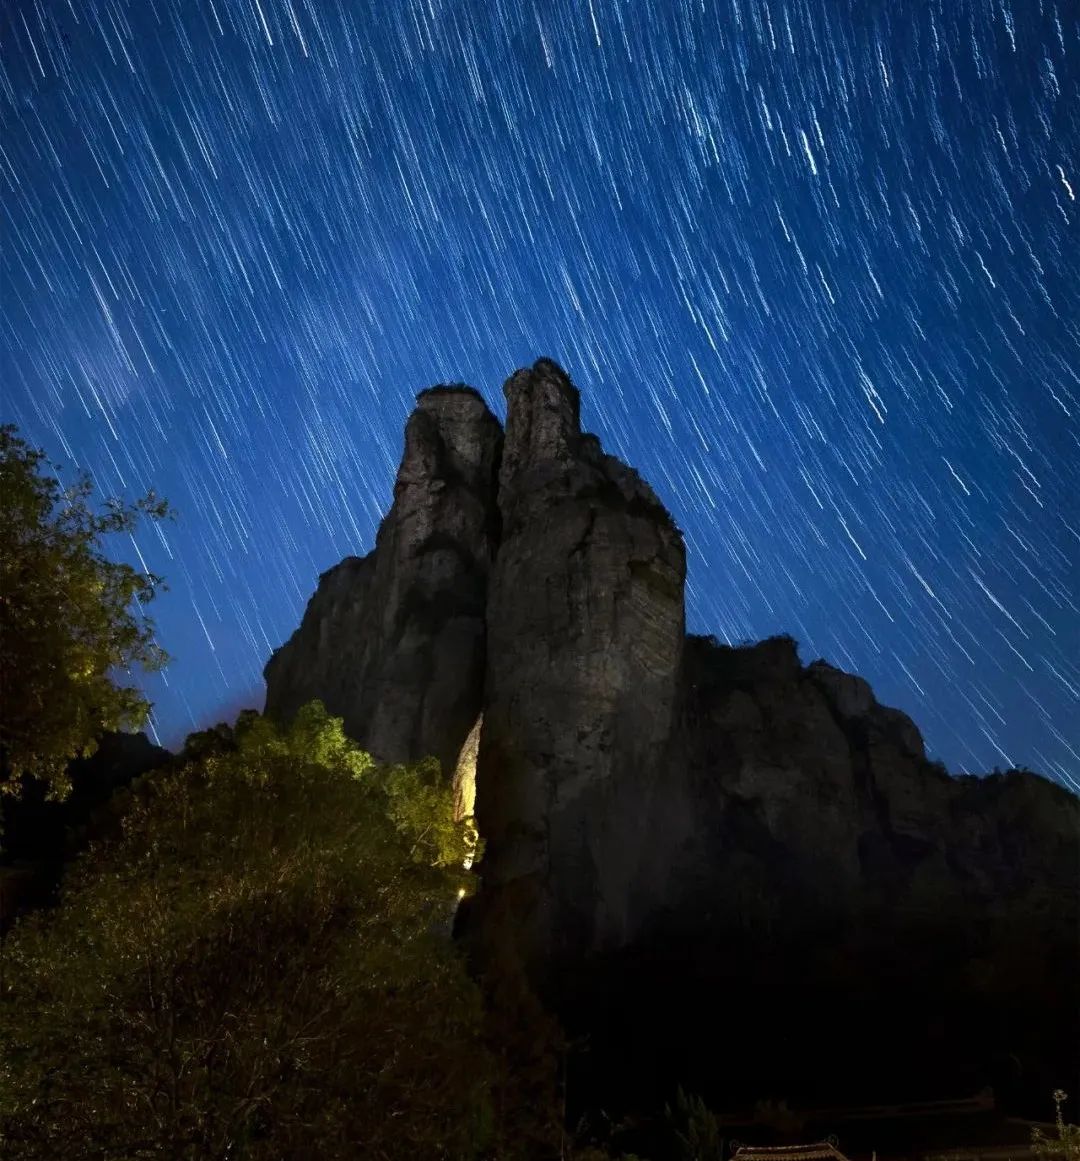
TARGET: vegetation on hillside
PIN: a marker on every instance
(1067, 1143)
(257, 965)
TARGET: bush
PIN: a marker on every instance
(258, 966)
(1067, 1145)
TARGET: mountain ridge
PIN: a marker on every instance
(666, 817)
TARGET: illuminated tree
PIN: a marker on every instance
(1067, 1144)
(257, 966)
(71, 620)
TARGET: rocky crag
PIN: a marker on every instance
(719, 866)
(395, 642)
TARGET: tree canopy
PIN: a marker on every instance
(72, 621)
(257, 965)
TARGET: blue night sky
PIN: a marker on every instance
(815, 265)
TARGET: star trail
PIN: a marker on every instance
(815, 265)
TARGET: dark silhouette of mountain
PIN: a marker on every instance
(719, 866)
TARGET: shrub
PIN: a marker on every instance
(259, 966)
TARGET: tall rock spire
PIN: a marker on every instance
(585, 633)
(394, 642)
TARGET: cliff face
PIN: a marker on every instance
(395, 642)
(585, 624)
(833, 911)
(715, 863)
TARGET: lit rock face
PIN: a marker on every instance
(585, 634)
(394, 642)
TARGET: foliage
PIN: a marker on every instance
(1067, 1145)
(775, 1114)
(71, 620)
(696, 1128)
(258, 966)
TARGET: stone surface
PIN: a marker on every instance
(714, 862)
(585, 632)
(823, 891)
(394, 642)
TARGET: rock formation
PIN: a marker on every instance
(394, 642)
(716, 864)
(833, 912)
(585, 633)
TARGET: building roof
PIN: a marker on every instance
(820, 1149)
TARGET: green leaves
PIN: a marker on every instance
(695, 1127)
(423, 813)
(71, 620)
(1066, 1145)
(258, 967)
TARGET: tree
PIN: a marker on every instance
(1067, 1144)
(71, 620)
(257, 966)
(696, 1128)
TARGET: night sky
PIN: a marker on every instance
(814, 264)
